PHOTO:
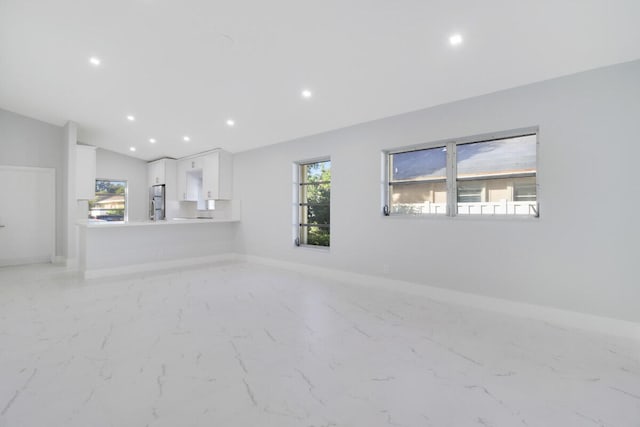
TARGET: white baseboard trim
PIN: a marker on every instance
(158, 266)
(565, 318)
(25, 261)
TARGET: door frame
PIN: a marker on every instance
(51, 172)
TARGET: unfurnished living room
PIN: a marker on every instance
(298, 213)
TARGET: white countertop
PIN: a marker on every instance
(174, 221)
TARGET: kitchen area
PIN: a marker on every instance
(142, 216)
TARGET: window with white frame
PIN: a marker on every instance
(488, 176)
(110, 203)
(314, 203)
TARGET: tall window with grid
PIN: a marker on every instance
(314, 207)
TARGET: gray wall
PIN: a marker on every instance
(580, 255)
(112, 165)
(28, 142)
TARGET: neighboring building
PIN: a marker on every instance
(107, 207)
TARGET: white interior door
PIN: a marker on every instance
(27, 215)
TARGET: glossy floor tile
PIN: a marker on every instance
(246, 345)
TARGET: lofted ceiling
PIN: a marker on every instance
(186, 67)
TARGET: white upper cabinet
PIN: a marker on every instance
(189, 179)
(217, 172)
(163, 172)
(194, 163)
(85, 172)
(156, 173)
(205, 177)
(181, 179)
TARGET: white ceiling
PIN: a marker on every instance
(185, 67)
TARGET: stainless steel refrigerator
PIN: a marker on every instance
(156, 203)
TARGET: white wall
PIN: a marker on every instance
(581, 255)
(28, 142)
(111, 165)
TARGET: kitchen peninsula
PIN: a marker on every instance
(128, 247)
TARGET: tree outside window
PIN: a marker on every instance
(315, 203)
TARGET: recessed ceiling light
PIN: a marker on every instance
(455, 40)
(131, 118)
(152, 140)
(94, 60)
(132, 148)
(186, 138)
(306, 93)
(231, 122)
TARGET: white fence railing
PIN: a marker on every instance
(478, 208)
(419, 208)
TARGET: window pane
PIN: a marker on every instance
(318, 214)
(418, 182)
(419, 164)
(418, 198)
(499, 157)
(314, 172)
(497, 177)
(314, 235)
(524, 189)
(315, 207)
(317, 193)
(110, 201)
(469, 194)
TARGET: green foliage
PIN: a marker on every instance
(317, 195)
(110, 187)
(318, 236)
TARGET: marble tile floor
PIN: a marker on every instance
(246, 345)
